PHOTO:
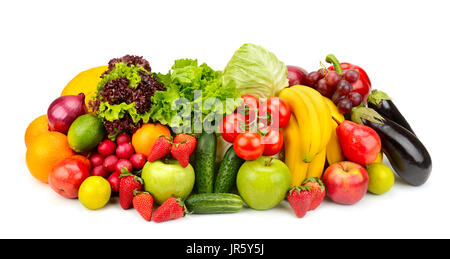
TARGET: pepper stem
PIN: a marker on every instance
(333, 60)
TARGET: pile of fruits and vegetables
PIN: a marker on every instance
(196, 140)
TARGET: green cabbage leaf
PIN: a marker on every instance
(256, 71)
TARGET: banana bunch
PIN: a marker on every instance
(307, 133)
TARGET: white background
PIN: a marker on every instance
(402, 45)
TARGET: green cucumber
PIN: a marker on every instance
(211, 203)
(229, 167)
(204, 164)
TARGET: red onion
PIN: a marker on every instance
(64, 110)
(296, 75)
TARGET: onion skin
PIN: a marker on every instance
(64, 110)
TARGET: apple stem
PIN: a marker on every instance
(268, 162)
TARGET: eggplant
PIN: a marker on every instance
(406, 153)
(382, 103)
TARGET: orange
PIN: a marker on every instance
(145, 137)
(45, 151)
(85, 82)
(36, 128)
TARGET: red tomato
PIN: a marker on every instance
(231, 126)
(249, 107)
(279, 111)
(273, 142)
(248, 145)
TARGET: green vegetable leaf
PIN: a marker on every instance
(112, 112)
(194, 95)
(122, 70)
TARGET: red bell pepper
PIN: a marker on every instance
(362, 86)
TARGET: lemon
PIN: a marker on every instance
(94, 192)
(381, 178)
(85, 82)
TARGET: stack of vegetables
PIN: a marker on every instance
(201, 140)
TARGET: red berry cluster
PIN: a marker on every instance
(112, 156)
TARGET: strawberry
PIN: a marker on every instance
(160, 149)
(300, 200)
(317, 190)
(143, 203)
(128, 183)
(172, 208)
(182, 147)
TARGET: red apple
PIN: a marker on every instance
(346, 182)
(67, 176)
(296, 75)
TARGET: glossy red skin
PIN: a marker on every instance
(124, 150)
(296, 75)
(230, 126)
(346, 182)
(64, 110)
(110, 163)
(138, 161)
(106, 147)
(251, 104)
(114, 181)
(96, 160)
(123, 138)
(124, 163)
(359, 143)
(273, 142)
(363, 86)
(100, 171)
(277, 107)
(248, 145)
(67, 176)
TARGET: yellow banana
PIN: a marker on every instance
(316, 167)
(313, 146)
(304, 122)
(297, 167)
(323, 113)
(334, 151)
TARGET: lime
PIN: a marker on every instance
(381, 178)
(94, 192)
(85, 133)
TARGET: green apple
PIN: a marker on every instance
(164, 179)
(263, 182)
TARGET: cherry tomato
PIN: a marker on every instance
(249, 108)
(248, 145)
(231, 125)
(279, 111)
(273, 142)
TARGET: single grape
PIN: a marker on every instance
(355, 98)
(344, 87)
(344, 106)
(323, 88)
(312, 78)
(332, 78)
(337, 97)
(351, 75)
(322, 72)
